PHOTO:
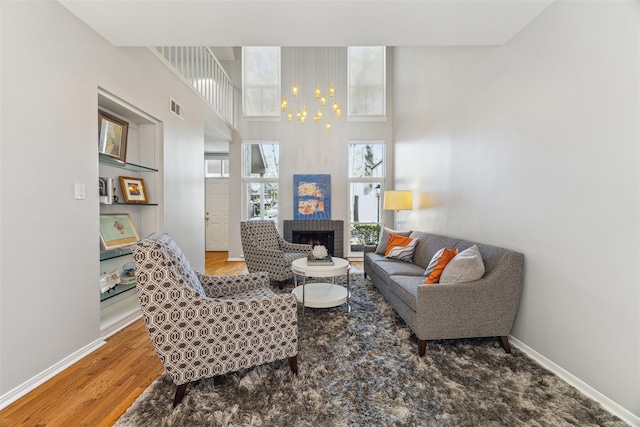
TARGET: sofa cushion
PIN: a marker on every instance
(406, 288)
(467, 266)
(385, 267)
(437, 264)
(429, 244)
(401, 248)
(384, 239)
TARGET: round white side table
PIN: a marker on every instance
(321, 295)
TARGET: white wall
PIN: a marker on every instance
(309, 148)
(534, 146)
(52, 67)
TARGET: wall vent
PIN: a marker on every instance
(176, 108)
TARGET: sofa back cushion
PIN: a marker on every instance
(491, 255)
(427, 246)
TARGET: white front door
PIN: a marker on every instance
(217, 214)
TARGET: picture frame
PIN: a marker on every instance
(133, 190)
(117, 231)
(112, 136)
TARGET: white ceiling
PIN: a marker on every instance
(307, 22)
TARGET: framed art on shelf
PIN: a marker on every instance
(117, 231)
(133, 190)
(112, 136)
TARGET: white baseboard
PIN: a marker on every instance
(24, 388)
(121, 324)
(584, 388)
(235, 259)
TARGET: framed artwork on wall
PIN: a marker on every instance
(117, 231)
(112, 136)
(133, 190)
(312, 197)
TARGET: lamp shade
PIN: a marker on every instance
(398, 200)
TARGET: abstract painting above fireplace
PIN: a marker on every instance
(311, 197)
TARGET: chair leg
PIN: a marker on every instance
(504, 340)
(422, 347)
(293, 364)
(179, 394)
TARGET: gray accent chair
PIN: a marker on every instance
(265, 250)
(202, 326)
(484, 308)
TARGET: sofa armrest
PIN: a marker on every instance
(221, 286)
(485, 307)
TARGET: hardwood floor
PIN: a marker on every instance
(98, 389)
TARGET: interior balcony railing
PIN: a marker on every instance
(200, 68)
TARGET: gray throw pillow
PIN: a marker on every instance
(467, 266)
(384, 239)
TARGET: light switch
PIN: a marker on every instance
(81, 192)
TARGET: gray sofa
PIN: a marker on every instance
(484, 308)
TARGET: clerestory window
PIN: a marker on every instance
(261, 81)
(367, 81)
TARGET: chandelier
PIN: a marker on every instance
(319, 100)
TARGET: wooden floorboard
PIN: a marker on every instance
(99, 388)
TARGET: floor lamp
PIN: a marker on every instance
(397, 200)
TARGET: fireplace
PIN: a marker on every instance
(314, 238)
(330, 233)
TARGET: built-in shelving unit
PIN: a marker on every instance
(119, 306)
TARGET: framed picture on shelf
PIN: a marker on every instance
(117, 231)
(133, 190)
(112, 136)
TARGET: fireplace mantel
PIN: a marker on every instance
(320, 225)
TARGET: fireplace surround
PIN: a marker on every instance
(317, 230)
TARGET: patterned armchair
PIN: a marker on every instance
(265, 250)
(202, 326)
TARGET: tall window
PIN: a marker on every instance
(366, 185)
(261, 170)
(261, 81)
(367, 75)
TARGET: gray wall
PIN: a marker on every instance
(52, 66)
(535, 146)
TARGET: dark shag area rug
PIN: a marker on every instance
(362, 369)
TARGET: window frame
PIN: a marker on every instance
(224, 167)
(247, 179)
(367, 117)
(277, 113)
(380, 180)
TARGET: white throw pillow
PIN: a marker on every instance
(467, 266)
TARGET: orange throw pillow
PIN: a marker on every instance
(438, 263)
(400, 248)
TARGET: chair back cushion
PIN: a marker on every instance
(158, 254)
(262, 233)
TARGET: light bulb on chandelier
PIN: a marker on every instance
(299, 59)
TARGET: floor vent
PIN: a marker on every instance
(176, 108)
